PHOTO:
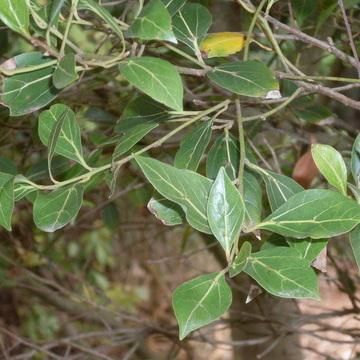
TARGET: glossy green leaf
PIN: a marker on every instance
(141, 110)
(283, 272)
(173, 6)
(225, 152)
(153, 22)
(27, 92)
(308, 248)
(193, 146)
(241, 259)
(248, 78)
(225, 211)
(355, 161)
(155, 77)
(314, 113)
(200, 301)
(15, 15)
(21, 189)
(69, 141)
(191, 24)
(314, 213)
(168, 212)
(111, 217)
(184, 187)
(139, 117)
(65, 73)
(104, 14)
(56, 7)
(6, 200)
(355, 244)
(331, 164)
(55, 210)
(252, 200)
(279, 188)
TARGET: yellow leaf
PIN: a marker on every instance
(222, 44)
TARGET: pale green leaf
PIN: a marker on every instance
(314, 213)
(15, 15)
(191, 24)
(200, 301)
(157, 78)
(153, 22)
(225, 211)
(184, 187)
(6, 200)
(27, 92)
(69, 141)
(55, 210)
(193, 146)
(308, 248)
(168, 212)
(248, 78)
(241, 259)
(279, 188)
(252, 200)
(331, 164)
(283, 272)
(173, 6)
(65, 73)
(225, 152)
(21, 189)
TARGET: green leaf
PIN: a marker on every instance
(225, 152)
(168, 212)
(274, 241)
(40, 170)
(56, 7)
(139, 117)
(111, 217)
(241, 259)
(200, 301)
(153, 22)
(69, 141)
(141, 110)
(331, 164)
(27, 92)
(15, 15)
(303, 8)
(65, 73)
(184, 187)
(355, 190)
(308, 248)
(155, 77)
(55, 210)
(173, 6)
(101, 11)
(191, 24)
(193, 146)
(314, 213)
(21, 189)
(279, 188)
(355, 161)
(252, 200)
(248, 78)
(225, 211)
(6, 200)
(314, 113)
(7, 166)
(283, 272)
(355, 244)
